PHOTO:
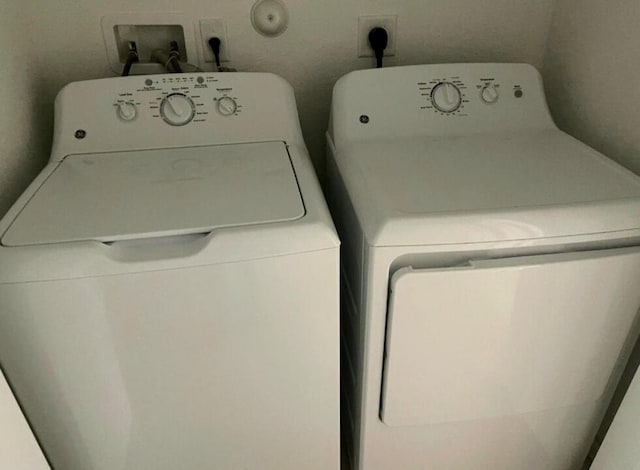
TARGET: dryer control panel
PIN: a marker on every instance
(453, 94)
(432, 100)
(173, 110)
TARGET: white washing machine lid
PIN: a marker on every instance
(153, 193)
(486, 188)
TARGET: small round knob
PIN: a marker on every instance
(446, 97)
(177, 109)
(489, 94)
(227, 106)
(127, 111)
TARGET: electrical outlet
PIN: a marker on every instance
(366, 24)
(214, 28)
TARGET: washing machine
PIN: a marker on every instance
(491, 271)
(169, 282)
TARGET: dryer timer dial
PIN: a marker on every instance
(446, 97)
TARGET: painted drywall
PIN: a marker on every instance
(18, 448)
(23, 142)
(591, 73)
(317, 48)
(25, 132)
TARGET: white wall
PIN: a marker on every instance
(591, 71)
(591, 75)
(23, 143)
(24, 132)
(318, 47)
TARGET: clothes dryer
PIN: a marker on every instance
(491, 271)
(169, 282)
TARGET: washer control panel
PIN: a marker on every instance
(178, 99)
(173, 110)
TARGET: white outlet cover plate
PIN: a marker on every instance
(214, 27)
(109, 22)
(367, 23)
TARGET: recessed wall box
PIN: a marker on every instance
(150, 31)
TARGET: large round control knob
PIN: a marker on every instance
(127, 111)
(446, 97)
(177, 109)
(489, 94)
(227, 106)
